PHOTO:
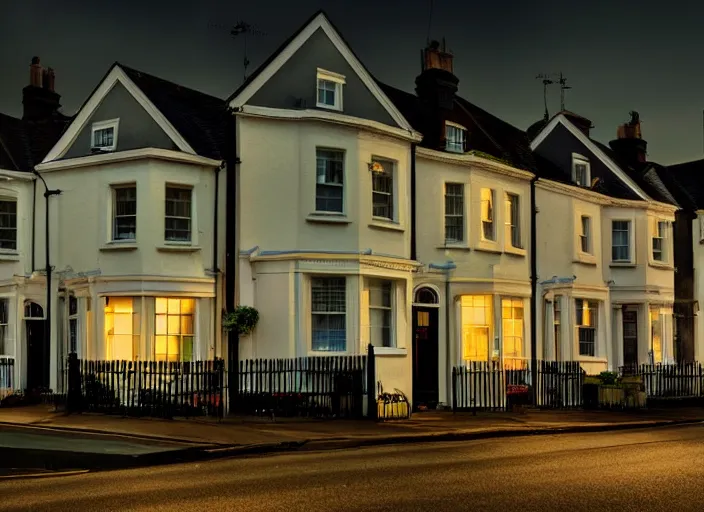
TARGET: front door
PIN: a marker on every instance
(630, 339)
(425, 358)
(37, 356)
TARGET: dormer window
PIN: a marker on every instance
(455, 137)
(329, 92)
(581, 172)
(104, 135)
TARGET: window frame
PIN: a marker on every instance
(342, 185)
(492, 211)
(585, 237)
(180, 335)
(512, 225)
(488, 308)
(5, 328)
(342, 281)
(662, 236)
(179, 186)
(74, 332)
(557, 326)
(338, 82)
(578, 159)
(105, 125)
(592, 305)
(137, 313)
(629, 223)
(376, 284)
(513, 301)
(15, 201)
(461, 216)
(455, 144)
(391, 194)
(113, 221)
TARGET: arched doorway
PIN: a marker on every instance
(426, 379)
(37, 348)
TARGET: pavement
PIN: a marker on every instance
(36, 437)
(652, 469)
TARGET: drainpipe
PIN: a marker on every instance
(231, 256)
(215, 269)
(449, 305)
(533, 289)
(413, 202)
(34, 221)
(47, 326)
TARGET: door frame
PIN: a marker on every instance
(425, 297)
(630, 310)
(35, 316)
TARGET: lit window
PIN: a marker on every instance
(585, 235)
(655, 334)
(455, 138)
(177, 221)
(512, 327)
(621, 240)
(104, 135)
(454, 212)
(329, 90)
(124, 212)
(488, 214)
(381, 312)
(328, 310)
(173, 329)
(513, 220)
(659, 237)
(8, 224)
(557, 326)
(580, 170)
(122, 328)
(477, 327)
(587, 312)
(383, 191)
(329, 184)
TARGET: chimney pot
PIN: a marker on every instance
(39, 97)
(35, 73)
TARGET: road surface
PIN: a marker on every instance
(656, 469)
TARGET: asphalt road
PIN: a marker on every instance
(657, 469)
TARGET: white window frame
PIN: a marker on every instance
(335, 78)
(375, 285)
(557, 325)
(592, 305)
(513, 226)
(180, 335)
(9, 250)
(487, 221)
(630, 241)
(5, 337)
(113, 214)
(585, 236)
(189, 188)
(73, 320)
(325, 183)
(661, 229)
(391, 173)
(138, 311)
(105, 125)
(513, 320)
(578, 159)
(314, 312)
(461, 215)
(455, 143)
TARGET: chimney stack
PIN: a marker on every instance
(436, 84)
(39, 97)
(629, 144)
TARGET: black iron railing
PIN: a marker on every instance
(7, 376)
(669, 380)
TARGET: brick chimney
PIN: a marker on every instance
(629, 144)
(39, 99)
(436, 84)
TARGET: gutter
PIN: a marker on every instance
(533, 288)
(413, 202)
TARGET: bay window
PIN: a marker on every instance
(122, 328)
(174, 329)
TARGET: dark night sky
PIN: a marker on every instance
(617, 55)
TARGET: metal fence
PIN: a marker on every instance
(492, 385)
(7, 376)
(331, 386)
(669, 380)
(137, 388)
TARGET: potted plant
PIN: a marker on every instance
(243, 319)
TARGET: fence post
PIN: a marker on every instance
(371, 383)
(73, 395)
(454, 390)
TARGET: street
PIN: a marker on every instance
(655, 469)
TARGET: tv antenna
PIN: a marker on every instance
(241, 28)
(547, 80)
(563, 87)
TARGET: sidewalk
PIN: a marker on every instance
(257, 433)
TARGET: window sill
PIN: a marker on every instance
(454, 247)
(390, 351)
(176, 247)
(585, 259)
(592, 359)
(9, 256)
(120, 246)
(328, 218)
(386, 224)
(516, 251)
(661, 265)
(488, 246)
(622, 264)
(328, 107)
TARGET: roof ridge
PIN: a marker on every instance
(169, 82)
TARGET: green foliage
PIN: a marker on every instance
(608, 378)
(244, 319)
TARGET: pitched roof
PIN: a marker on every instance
(201, 119)
(489, 134)
(685, 183)
(23, 143)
